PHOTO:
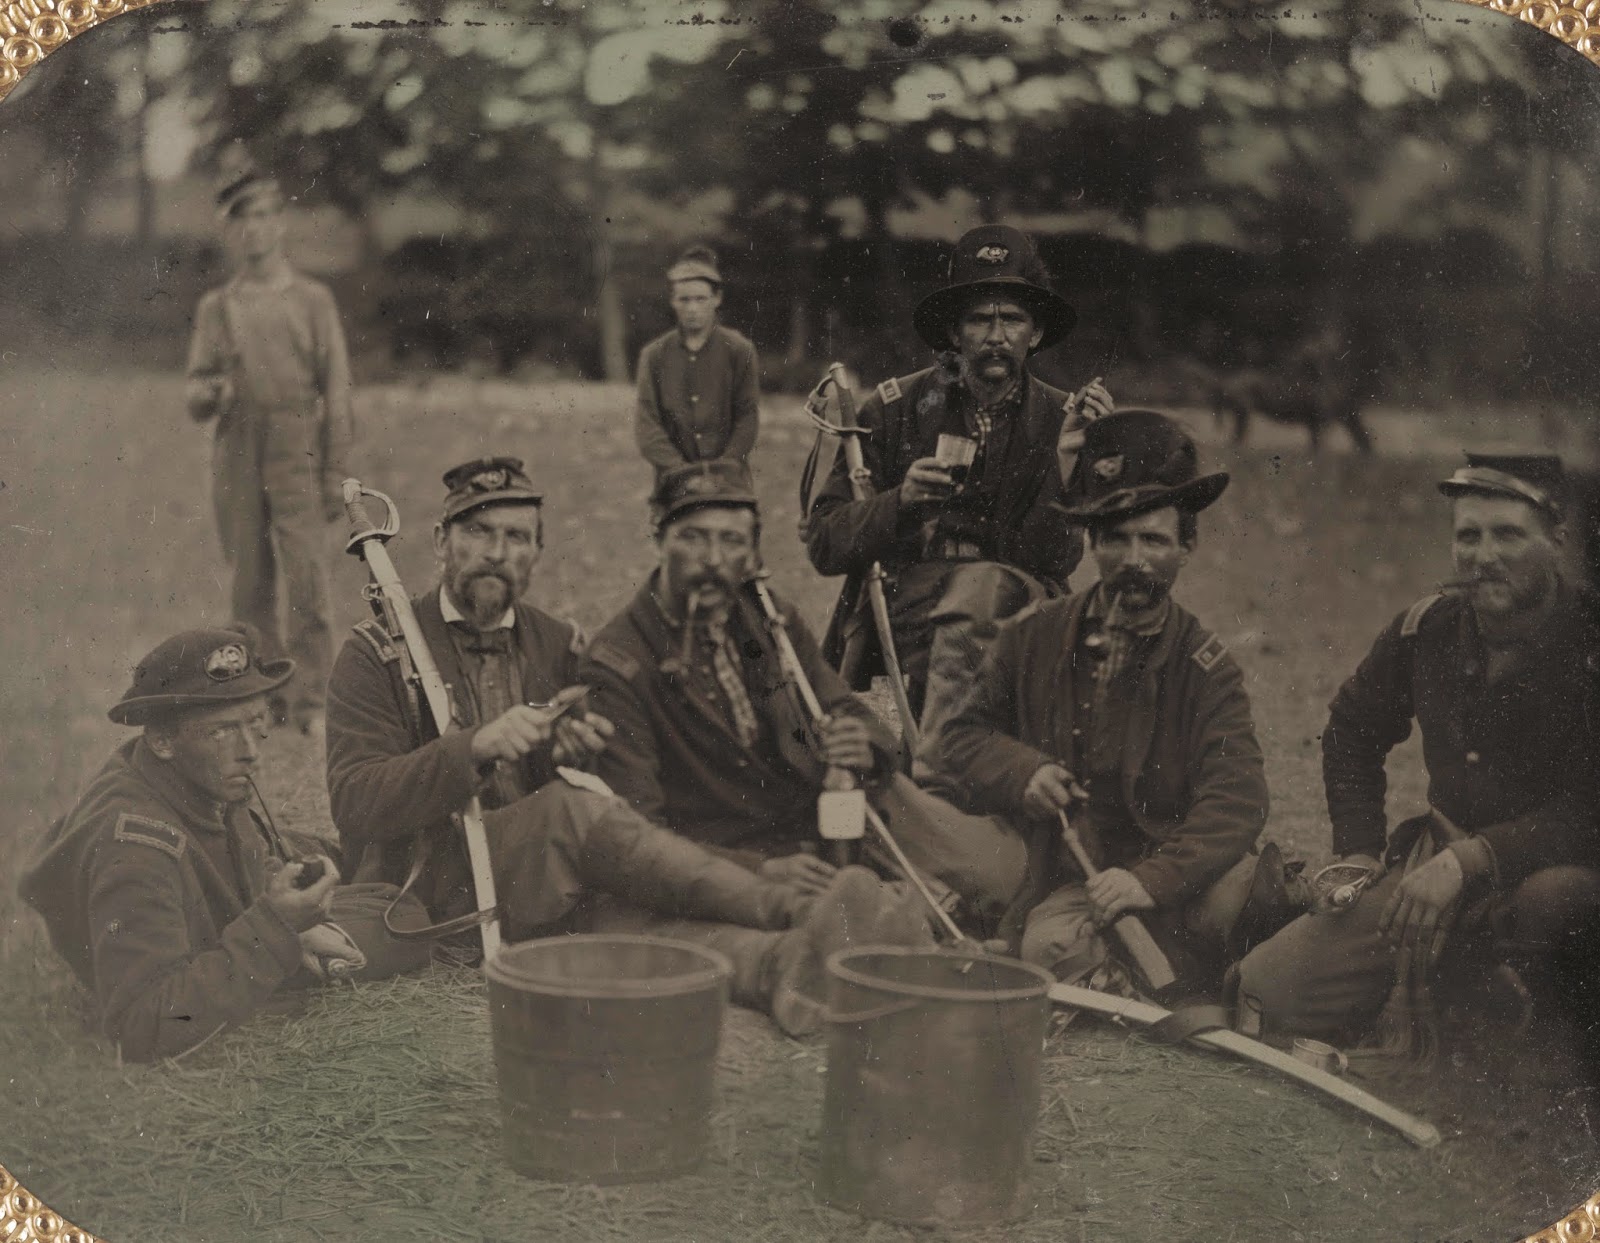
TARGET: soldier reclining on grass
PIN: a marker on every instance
(174, 903)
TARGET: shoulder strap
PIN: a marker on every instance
(1415, 614)
(1210, 651)
(147, 831)
(392, 650)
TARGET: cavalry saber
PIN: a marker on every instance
(367, 541)
(850, 432)
(1135, 937)
(790, 659)
(1421, 1133)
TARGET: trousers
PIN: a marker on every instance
(566, 859)
(267, 497)
(1327, 975)
(944, 615)
(1061, 936)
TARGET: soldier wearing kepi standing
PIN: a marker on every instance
(1118, 707)
(959, 555)
(699, 384)
(1502, 873)
(566, 854)
(268, 361)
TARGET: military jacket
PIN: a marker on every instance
(391, 777)
(676, 759)
(151, 892)
(1192, 773)
(1018, 521)
(1513, 762)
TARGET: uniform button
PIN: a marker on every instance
(695, 397)
(1472, 757)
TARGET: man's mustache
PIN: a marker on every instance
(1134, 580)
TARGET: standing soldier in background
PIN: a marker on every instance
(968, 460)
(699, 391)
(268, 362)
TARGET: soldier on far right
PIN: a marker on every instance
(1498, 881)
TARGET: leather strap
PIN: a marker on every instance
(432, 932)
(1189, 1021)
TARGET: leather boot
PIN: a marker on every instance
(624, 854)
(856, 909)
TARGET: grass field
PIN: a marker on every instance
(368, 1113)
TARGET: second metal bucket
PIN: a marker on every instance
(933, 1085)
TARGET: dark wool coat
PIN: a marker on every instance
(150, 892)
(676, 759)
(391, 778)
(1011, 514)
(1192, 774)
(1514, 763)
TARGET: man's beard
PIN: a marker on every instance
(708, 596)
(485, 596)
(1495, 595)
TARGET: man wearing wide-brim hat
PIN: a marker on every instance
(1117, 707)
(177, 906)
(967, 545)
(1499, 878)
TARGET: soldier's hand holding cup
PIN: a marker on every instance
(927, 480)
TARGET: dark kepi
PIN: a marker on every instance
(999, 260)
(720, 481)
(487, 481)
(1134, 462)
(1536, 478)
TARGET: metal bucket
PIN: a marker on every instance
(605, 1048)
(933, 1085)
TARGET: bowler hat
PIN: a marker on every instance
(1536, 478)
(720, 481)
(487, 481)
(1136, 461)
(999, 260)
(198, 668)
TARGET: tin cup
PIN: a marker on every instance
(1323, 1056)
(956, 453)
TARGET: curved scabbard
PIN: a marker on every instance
(367, 539)
(875, 595)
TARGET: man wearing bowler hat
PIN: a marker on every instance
(567, 854)
(712, 740)
(959, 553)
(1500, 878)
(268, 362)
(180, 909)
(1117, 707)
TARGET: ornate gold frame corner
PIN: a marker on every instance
(30, 30)
(23, 1219)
